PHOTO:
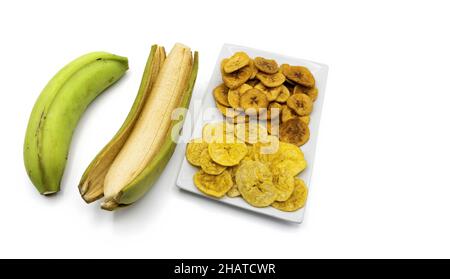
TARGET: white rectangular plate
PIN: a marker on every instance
(187, 171)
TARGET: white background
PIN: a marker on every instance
(380, 186)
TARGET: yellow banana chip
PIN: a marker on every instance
(218, 132)
(287, 157)
(208, 165)
(270, 92)
(226, 111)
(269, 80)
(284, 184)
(268, 66)
(194, 149)
(234, 191)
(251, 132)
(235, 79)
(301, 104)
(297, 200)
(284, 95)
(254, 181)
(312, 92)
(237, 61)
(221, 95)
(227, 154)
(213, 185)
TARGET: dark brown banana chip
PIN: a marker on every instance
(237, 61)
(271, 80)
(301, 104)
(268, 66)
(294, 131)
(237, 78)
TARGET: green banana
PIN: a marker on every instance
(57, 111)
(166, 83)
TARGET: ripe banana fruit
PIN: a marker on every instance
(57, 111)
(133, 160)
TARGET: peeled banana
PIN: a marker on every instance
(57, 111)
(133, 160)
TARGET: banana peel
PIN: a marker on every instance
(91, 186)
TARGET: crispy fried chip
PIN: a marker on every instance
(221, 95)
(294, 131)
(287, 156)
(301, 104)
(269, 80)
(268, 66)
(235, 79)
(284, 95)
(218, 132)
(284, 184)
(213, 185)
(208, 165)
(300, 75)
(227, 154)
(253, 68)
(251, 132)
(237, 61)
(253, 100)
(297, 200)
(270, 92)
(254, 181)
(287, 113)
(226, 111)
(194, 149)
(312, 92)
(234, 191)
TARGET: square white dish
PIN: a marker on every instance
(187, 171)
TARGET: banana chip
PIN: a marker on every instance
(312, 92)
(251, 132)
(253, 68)
(269, 80)
(273, 127)
(305, 119)
(297, 200)
(235, 79)
(262, 149)
(226, 111)
(234, 191)
(287, 157)
(254, 181)
(268, 66)
(284, 95)
(300, 75)
(287, 113)
(221, 95)
(218, 132)
(284, 184)
(301, 104)
(253, 82)
(213, 185)
(237, 61)
(194, 149)
(273, 110)
(270, 92)
(253, 100)
(294, 131)
(227, 154)
(208, 165)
